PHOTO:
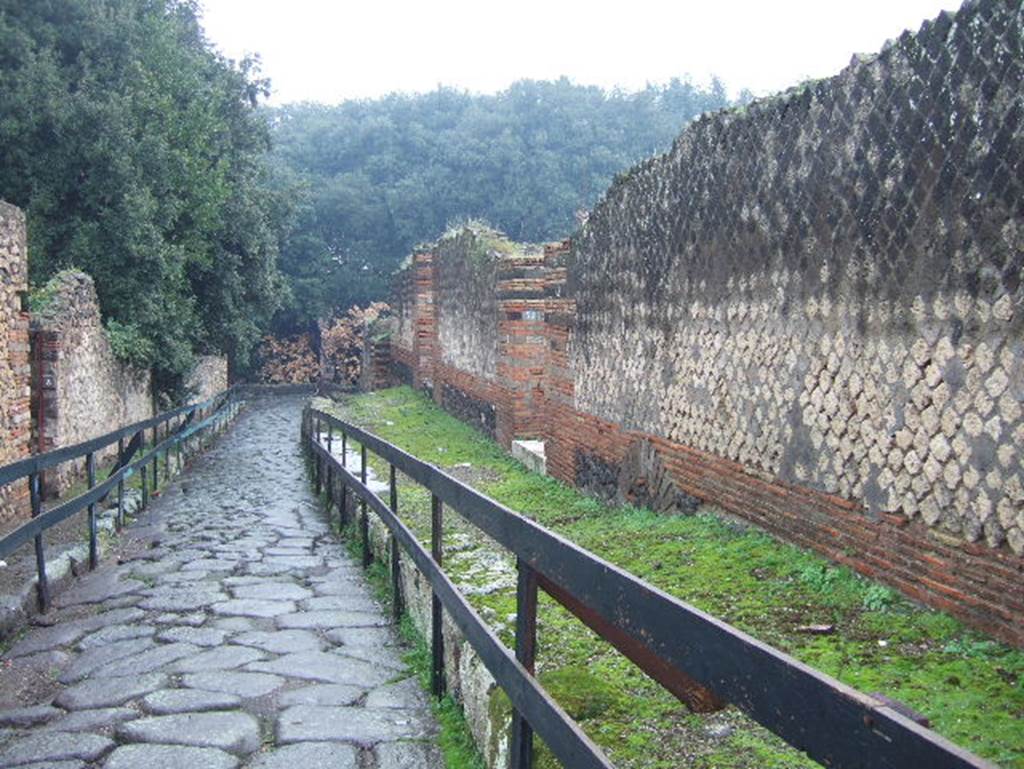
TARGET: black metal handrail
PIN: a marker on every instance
(702, 660)
(194, 418)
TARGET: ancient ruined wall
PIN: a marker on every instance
(465, 271)
(209, 377)
(403, 307)
(83, 389)
(467, 308)
(15, 421)
(809, 312)
(474, 303)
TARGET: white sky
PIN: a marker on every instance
(330, 50)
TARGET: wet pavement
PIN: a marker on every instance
(239, 633)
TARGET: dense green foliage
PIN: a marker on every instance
(139, 156)
(373, 178)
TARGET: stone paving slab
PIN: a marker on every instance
(61, 746)
(169, 757)
(361, 725)
(244, 636)
(234, 732)
(310, 755)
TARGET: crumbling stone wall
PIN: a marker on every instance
(403, 307)
(208, 377)
(476, 303)
(825, 290)
(467, 307)
(15, 421)
(412, 303)
(82, 389)
(809, 313)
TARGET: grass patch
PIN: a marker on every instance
(971, 687)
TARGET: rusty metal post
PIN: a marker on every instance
(35, 489)
(393, 490)
(142, 469)
(156, 461)
(330, 469)
(119, 518)
(526, 652)
(437, 684)
(396, 573)
(90, 471)
(316, 457)
(180, 465)
(364, 521)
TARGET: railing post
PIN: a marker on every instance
(330, 487)
(167, 451)
(35, 490)
(144, 472)
(526, 653)
(330, 470)
(396, 574)
(179, 446)
(344, 448)
(90, 471)
(364, 521)
(437, 685)
(156, 461)
(316, 456)
(119, 518)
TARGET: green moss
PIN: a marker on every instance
(582, 694)
(969, 686)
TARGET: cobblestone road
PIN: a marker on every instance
(239, 634)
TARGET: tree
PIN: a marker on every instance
(139, 156)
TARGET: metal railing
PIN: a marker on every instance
(700, 659)
(187, 421)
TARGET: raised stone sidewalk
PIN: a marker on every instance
(237, 634)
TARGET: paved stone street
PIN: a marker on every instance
(240, 634)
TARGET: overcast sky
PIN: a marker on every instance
(330, 50)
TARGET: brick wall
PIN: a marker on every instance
(476, 302)
(808, 313)
(15, 372)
